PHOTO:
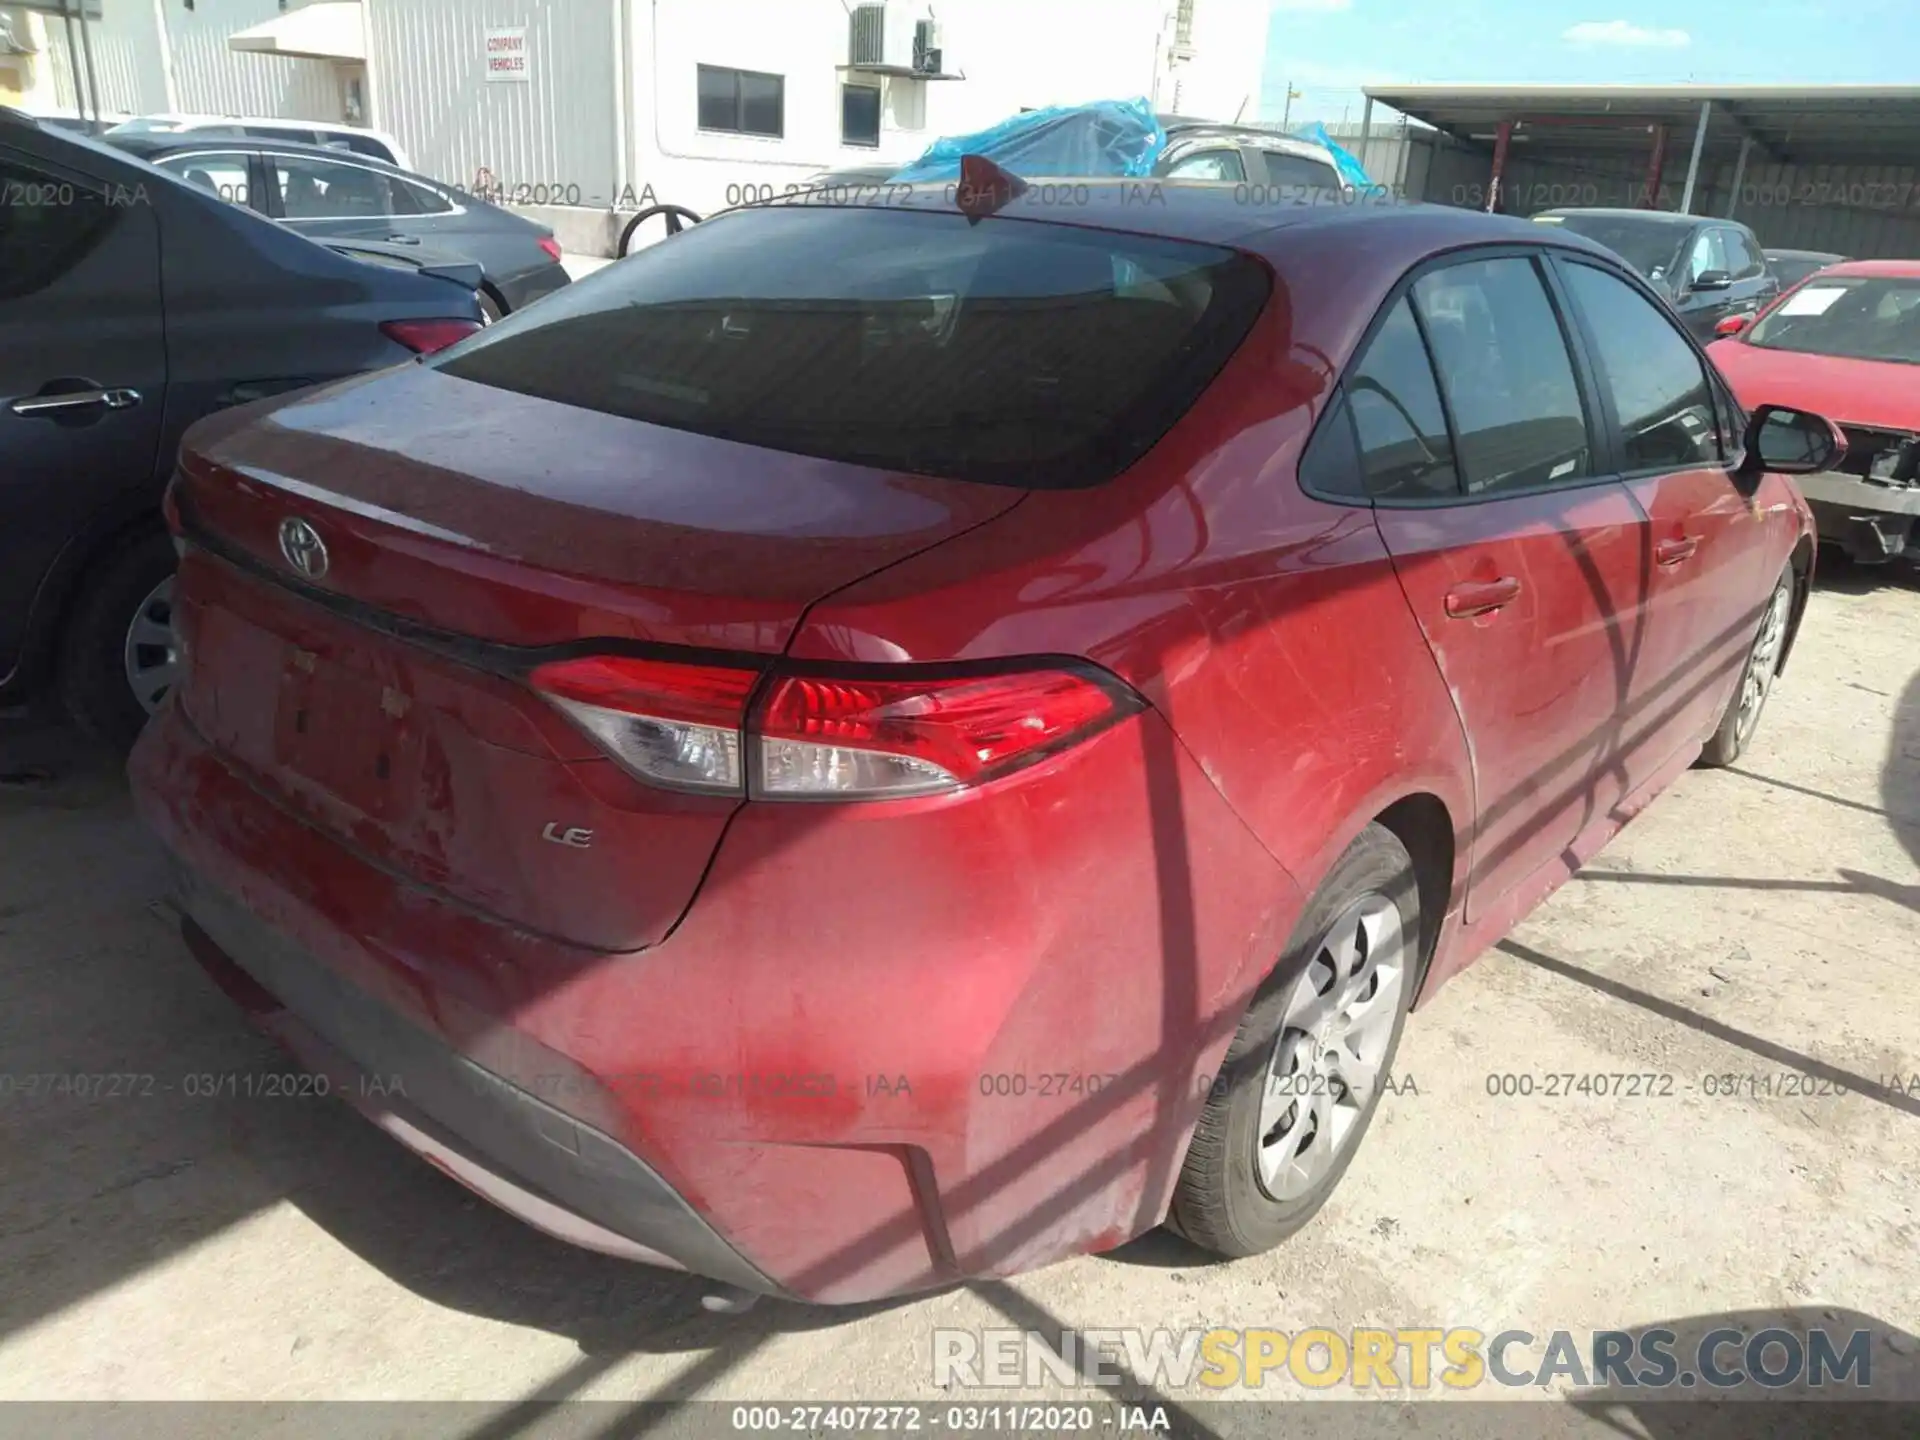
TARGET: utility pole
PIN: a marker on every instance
(1286, 111)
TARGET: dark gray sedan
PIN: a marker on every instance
(132, 306)
(333, 194)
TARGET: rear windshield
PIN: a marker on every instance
(1649, 246)
(1860, 318)
(1009, 352)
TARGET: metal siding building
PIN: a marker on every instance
(608, 116)
(1831, 168)
(211, 79)
(427, 72)
(141, 68)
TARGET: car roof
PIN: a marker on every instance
(148, 146)
(1661, 217)
(1181, 129)
(1875, 270)
(178, 117)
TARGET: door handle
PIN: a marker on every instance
(1672, 552)
(403, 239)
(1482, 597)
(114, 399)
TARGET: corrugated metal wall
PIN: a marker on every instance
(126, 60)
(208, 77)
(1867, 211)
(427, 73)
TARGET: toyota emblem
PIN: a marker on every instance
(303, 547)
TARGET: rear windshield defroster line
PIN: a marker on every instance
(1010, 352)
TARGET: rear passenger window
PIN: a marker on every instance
(412, 199)
(1659, 388)
(1396, 411)
(1508, 378)
(1331, 465)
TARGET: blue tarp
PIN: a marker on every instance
(1109, 138)
(1350, 169)
(1112, 138)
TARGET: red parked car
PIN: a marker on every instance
(873, 745)
(1845, 342)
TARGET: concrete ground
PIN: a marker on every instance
(1762, 922)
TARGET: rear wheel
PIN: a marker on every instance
(490, 308)
(1306, 1070)
(119, 658)
(1729, 742)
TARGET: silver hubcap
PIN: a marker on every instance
(151, 654)
(1332, 1048)
(1765, 659)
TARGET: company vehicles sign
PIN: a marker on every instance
(507, 53)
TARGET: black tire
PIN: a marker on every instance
(93, 676)
(678, 218)
(491, 310)
(1735, 731)
(1220, 1203)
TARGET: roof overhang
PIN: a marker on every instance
(325, 30)
(1804, 124)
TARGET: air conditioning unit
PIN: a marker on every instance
(926, 47)
(16, 37)
(882, 36)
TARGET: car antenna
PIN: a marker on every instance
(985, 188)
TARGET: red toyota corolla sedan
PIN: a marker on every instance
(873, 745)
(1846, 342)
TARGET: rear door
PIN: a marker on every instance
(1520, 556)
(1709, 541)
(318, 195)
(83, 366)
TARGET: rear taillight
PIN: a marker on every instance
(552, 247)
(426, 336)
(818, 737)
(669, 724)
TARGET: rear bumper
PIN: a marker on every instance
(526, 1156)
(884, 1051)
(530, 285)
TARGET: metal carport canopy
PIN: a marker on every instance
(1787, 124)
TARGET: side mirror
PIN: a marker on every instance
(1733, 325)
(1788, 442)
(1712, 280)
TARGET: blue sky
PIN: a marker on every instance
(1329, 48)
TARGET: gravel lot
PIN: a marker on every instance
(1763, 922)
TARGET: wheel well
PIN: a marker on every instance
(1422, 824)
(48, 628)
(493, 293)
(1802, 563)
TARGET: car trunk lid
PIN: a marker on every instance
(468, 534)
